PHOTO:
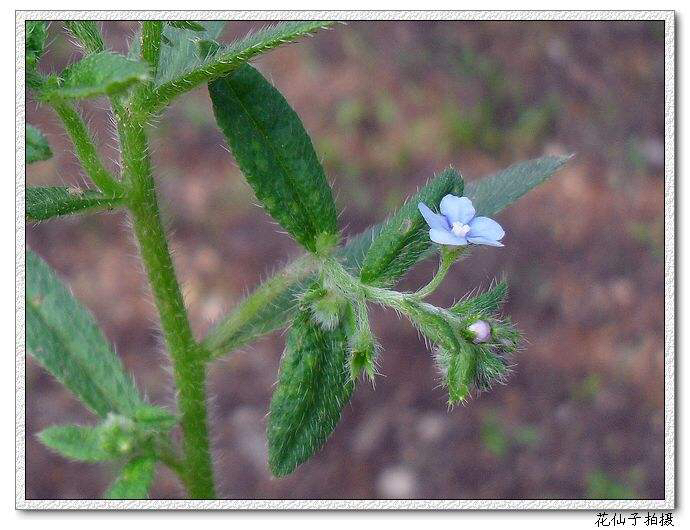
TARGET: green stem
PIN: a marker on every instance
(187, 355)
(446, 260)
(85, 148)
(231, 332)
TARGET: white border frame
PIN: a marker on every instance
(365, 504)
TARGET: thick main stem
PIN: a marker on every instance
(187, 355)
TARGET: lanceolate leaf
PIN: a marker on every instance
(134, 480)
(76, 442)
(64, 338)
(45, 203)
(37, 147)
(99, 74)
(491, 194)
(231, 332)
(405, 236)
(276, 155)
(313, 387)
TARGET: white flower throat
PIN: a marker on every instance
(460, 229)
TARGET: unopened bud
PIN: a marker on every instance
(481, 330)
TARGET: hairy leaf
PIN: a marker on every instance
(76, 442)
(87, 33)
(36, 31)
(65, 339)
(404, 237)
(491, 194)
(313, 387)
(276, 156)
(228, 58)
(37, 147)
(134, 481)
(98, 74)
(45, 203)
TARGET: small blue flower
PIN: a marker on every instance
(457, 225)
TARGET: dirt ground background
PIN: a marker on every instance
(388, 104)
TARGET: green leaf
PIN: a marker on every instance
(313, 387)
(226, 59)
(187, 24)
(276, 156)
(87, 33)
(65, 339)
(37, 147)
(491, 194)
(405, 236)
(134, 481)
(76, 442)
(36, 31)
(483, 304)
(103, 73)
(45, 203)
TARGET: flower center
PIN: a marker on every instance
(460, 229)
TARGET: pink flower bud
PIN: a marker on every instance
(481, 330)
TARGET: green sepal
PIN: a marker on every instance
(153, 418)
(276, 156)
(47, 202)
(134, 480)
(484, 304)
(37, 147)
(404, 237)
(313, 387)
(65, 339)
(434, 323)
(36, 31)
(76, 442)
(458, 369)
(363, 355)
(98, 74)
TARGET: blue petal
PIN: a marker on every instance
(485, 228)
(444, 237)
(484, 241)
(457, 209)
(434, 220)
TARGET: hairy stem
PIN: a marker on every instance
(85, 148)
(446, 260)
(187, 355)
(231, 333)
